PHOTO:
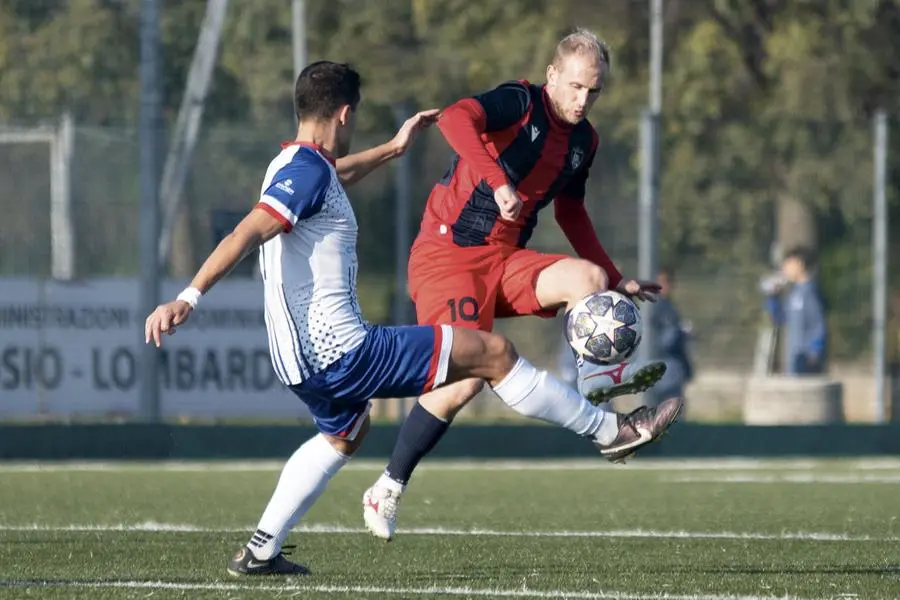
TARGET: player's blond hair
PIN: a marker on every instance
(583, 42)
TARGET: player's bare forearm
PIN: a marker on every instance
(253, 231)
(223, 259)
(354, 167)
(351, 169)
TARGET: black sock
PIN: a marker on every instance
(420, 432)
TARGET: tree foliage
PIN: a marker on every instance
(767, 103)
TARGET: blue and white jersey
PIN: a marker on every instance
(309, 271)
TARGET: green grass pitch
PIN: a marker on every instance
(579, 530)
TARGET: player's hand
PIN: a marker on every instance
(509, 202)
(165, 319)
(638, 288)
(412, 126)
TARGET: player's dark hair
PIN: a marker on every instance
(323, 87)
(803, 255)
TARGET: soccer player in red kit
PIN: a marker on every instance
(519, 147)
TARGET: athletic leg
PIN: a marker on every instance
(543, 396)
(455, 287)
(467, 298)
(524, 388)
(342, 428)
(562, 284)
(390, 362)
(424, 426)
(466, 353)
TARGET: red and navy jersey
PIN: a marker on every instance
(510, 135)
(527, 146)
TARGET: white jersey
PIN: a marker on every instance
(309, 271)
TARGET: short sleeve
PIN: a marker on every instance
(297, 191)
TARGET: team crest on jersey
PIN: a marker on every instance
(576, 157)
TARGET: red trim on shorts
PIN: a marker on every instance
(278, 216)
(354, 425)
(435, 359)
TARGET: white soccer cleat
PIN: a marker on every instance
(602, 383)
(380, 511)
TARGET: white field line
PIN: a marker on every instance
(387, 591)
(153, 527)
(727, 464)
(830, 478)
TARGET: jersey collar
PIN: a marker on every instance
(548, 108)
(314, 147)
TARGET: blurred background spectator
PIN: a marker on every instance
(794, 303)
(673, 335)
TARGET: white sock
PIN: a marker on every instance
(302, 481)
(391, 484)
(540, 395)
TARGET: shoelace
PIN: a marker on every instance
(630, 418)
(389, 508)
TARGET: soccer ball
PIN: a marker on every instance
(604, 328)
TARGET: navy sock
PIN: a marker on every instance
(420, 432)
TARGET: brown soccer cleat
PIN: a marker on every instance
(640, 427)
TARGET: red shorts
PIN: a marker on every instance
(470, 287)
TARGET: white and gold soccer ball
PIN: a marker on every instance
(604, 328)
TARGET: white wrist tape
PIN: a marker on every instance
(190, 295)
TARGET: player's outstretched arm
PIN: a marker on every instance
(254, 230)
(354, 167)
(575, 222)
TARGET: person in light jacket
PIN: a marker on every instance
(801, 313)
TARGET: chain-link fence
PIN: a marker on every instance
(737, 184)
(717, 279)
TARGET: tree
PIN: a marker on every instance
(767, 115)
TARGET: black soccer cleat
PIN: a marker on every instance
(640, 427)
(244, 563)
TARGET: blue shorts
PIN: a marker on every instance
(391, 362)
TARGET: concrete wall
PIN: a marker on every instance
(187, 442)
(713, 397)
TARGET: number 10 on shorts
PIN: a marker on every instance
(464, 309)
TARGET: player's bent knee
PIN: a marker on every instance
(582, 278)
(346, 446)
(593, 279)
(480, 355)
(500, 351)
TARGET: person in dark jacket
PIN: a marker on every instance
(672, 340)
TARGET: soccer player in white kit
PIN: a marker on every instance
(323, 349)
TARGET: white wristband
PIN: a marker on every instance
(190, 295)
